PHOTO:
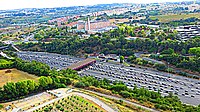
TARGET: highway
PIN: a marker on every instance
(188, 90)
(56, 61)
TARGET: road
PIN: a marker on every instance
(15, 48)
(53, 60)
(46, 103)
(138, 55)
(124, 100)
(5, 55)
(185, 88)
(4, 47)
(95, 100)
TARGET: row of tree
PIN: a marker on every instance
(12, 91)
(48, 79)
(5, 64)
(32, 67)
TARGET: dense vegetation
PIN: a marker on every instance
(5, 64)
(49, 33)
(115, 43)
(55, 79)
(192, 63)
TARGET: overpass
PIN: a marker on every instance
(82, 64)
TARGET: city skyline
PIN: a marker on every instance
(19, 4)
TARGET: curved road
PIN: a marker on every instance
(95, 100)
(124, 100)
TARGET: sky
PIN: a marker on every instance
(18, 4)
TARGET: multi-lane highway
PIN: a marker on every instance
(56, 61)
(188, 90)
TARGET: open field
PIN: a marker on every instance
(14, 76)
(172, 17)
(73, 103)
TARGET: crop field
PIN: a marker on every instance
(14, 75)
(72, 103)
(172, 17)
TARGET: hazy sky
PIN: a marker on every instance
(15, 4)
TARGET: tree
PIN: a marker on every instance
(131, 58)
(183, 51)
(10, 89)
(31, 85)
(45, 81)
(22, 88)
(168, 51)
(119, 87)
(79, 85)
(125, 94)
(195, 51)
(121, 59)
(86, 55)
(161, 67)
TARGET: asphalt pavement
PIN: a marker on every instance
(187, 89)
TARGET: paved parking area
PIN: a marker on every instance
(188, 90)
(56, 61)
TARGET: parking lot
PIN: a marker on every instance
(188, 90)
(56, 61)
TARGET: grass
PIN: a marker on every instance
(14, 76)
(72, 103)
(126, 64)
(116, 104)
(172, 17)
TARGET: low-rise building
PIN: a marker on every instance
(187, 32)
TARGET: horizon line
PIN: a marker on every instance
(92, 5)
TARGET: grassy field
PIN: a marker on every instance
(117, 104)
(172, 17)
(72, 103)
(14, 76)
